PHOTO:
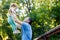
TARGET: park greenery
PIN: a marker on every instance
(45, 15)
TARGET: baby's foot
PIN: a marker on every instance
(16, 32)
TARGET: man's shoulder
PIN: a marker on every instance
(25, 23)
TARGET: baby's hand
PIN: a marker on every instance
(11, 9)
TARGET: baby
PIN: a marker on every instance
(12, 13)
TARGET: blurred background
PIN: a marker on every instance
(45, 13)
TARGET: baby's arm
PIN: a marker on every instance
(15, 18)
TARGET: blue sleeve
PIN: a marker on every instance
(25, 25)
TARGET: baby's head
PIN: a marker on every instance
(14, 6)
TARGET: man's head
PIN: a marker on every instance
(28, 20)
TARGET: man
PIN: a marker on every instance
(25, 27)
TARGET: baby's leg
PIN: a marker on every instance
(13, 25)
(11, 22)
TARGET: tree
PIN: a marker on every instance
(45, 15)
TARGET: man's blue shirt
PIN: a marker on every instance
(26, 31)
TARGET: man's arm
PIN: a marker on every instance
(18, 26)
(17, 20)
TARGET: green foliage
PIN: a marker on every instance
(55, 37)
(45, 15)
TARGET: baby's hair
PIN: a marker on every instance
(13, 5)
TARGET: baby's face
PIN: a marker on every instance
(13, 8)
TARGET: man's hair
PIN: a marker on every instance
(30, 21)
